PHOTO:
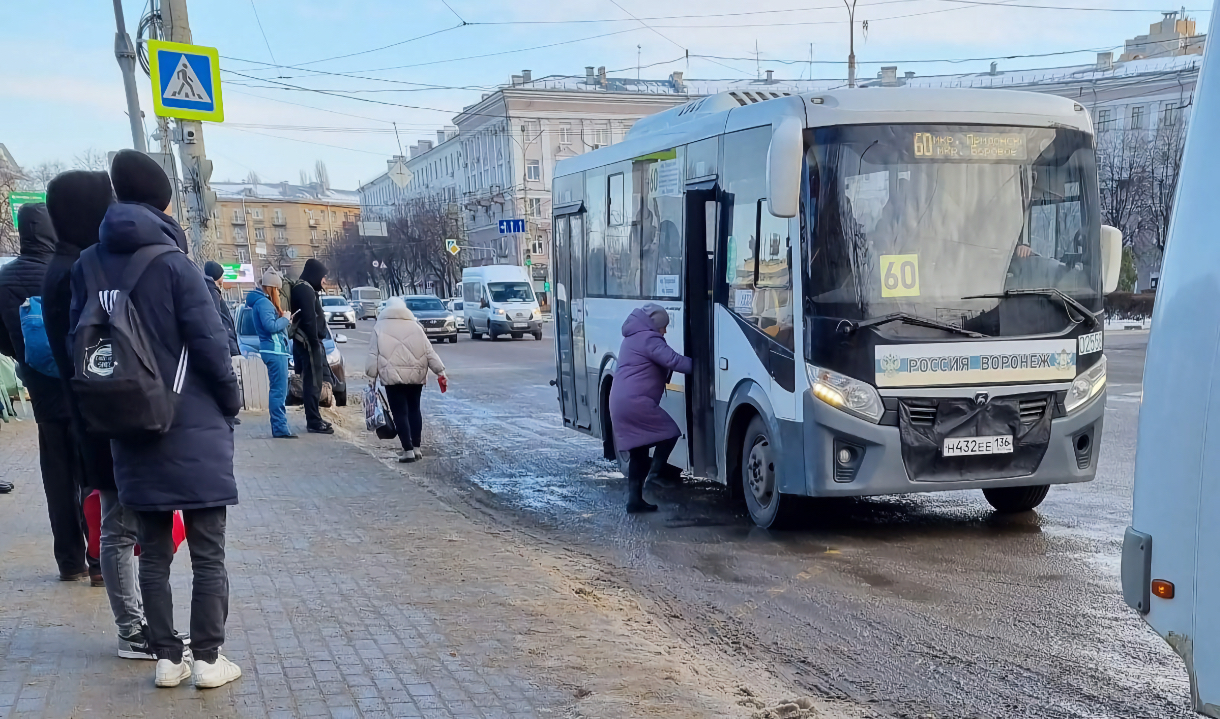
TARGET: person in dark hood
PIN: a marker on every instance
(62, 474)
(309, 357)
(645, 362)
(215, 274)
(190, 467)
(77, 202)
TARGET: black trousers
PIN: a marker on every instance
(205, 537)
(63, 481)
(311, 384)
(641, 466)
(404, 408)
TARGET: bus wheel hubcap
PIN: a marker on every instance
(760, 472)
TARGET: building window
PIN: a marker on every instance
(332, 216)
(313, 235)
(602, 136)
(243, 255)
(309, 215)
(537, 247)
(533, 170)
(533, 206)
(281, 235)
(260, 235)
(1105, 119)
(532, 129)
(237, 218)
(565, 134)
(1137, 118)
(239, 235)
(1171, 113)
(257, 213)
(278, 217)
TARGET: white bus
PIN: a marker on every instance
(883, 291)
(1170, 572)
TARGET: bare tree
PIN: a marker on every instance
(37, 177)
(321, 175)
(92, 160)
(10, 179)
(1123, 178)
(252, 178)
(1168, 148)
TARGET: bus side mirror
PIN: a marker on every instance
(784, 167)
(1111, 257)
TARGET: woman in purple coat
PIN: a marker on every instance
(645, 362)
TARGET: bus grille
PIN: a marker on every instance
(923, 416)
(1032, 409)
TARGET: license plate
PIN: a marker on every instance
(965, 446)
(517, 325)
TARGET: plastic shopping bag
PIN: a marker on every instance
(374, 416)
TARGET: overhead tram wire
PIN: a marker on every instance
(259, 21)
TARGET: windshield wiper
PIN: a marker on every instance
(850, 326)
(1058, 294)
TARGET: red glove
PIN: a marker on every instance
(443, 381)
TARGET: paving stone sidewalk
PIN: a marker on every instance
(325, 616)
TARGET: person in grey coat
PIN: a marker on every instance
(645, 363)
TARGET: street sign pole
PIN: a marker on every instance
(126, 55)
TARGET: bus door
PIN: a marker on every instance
(569, 294)
(701, 225)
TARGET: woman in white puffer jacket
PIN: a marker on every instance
(400, 355)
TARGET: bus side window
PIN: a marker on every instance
(595, 253)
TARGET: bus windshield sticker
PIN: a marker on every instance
(743, 301)
(899, 275)
(1088, 344)
(665, 178)
(965, 363)
(667, 286)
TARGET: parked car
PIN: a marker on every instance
(437, 321)
(454, 305)
(339, 311)
(247, 338)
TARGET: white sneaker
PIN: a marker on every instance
(216, 674)
(170, 674)
(418, 454)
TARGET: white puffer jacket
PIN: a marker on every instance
(400, 352)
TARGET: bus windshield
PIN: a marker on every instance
(510, 292)
(923, 219)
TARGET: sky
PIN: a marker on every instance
(419, 62)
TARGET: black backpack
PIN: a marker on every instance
(117, 380)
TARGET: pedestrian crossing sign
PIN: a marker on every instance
(186, 81)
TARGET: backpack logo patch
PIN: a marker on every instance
(99, 359)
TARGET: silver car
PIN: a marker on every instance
(454, 306)
(338, 311)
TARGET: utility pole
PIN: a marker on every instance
(851, 57)
(125, 53)
(196, 168)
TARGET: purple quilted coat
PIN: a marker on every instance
(645, 362)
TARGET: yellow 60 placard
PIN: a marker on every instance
(900, 275)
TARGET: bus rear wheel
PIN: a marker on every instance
(768, 507)
(1009, 500)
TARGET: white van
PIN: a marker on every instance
(499, 300)
(366, 301)
(1170, 572)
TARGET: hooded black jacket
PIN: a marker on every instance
(226, 317)
(20, 280)
(304, 299)
(191, 465)
(77, 202)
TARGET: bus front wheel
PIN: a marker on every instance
(768, 507)
(1009, 500)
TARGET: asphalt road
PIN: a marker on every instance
(917, 606)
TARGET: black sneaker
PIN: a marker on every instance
(136, 647)
(325, 429)
(5, 487)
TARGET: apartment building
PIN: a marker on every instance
(277, 225)
(432, 169)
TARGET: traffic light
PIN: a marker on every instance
(207, 197)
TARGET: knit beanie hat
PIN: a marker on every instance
(658, 315)
(138, 178)
(271, 278)
(212, 269)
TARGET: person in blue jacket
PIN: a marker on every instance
(271, 323)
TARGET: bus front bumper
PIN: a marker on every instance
(881, 470)
(502, 327)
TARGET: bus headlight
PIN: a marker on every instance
(846, 393)
(1086, 386)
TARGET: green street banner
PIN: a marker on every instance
(17, 199)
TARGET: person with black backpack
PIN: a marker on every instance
(62, 473)
(152, 371)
